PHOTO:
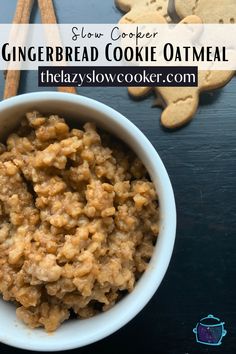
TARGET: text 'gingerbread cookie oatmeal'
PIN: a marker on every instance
(79, 219)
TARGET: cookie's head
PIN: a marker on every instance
(153, 17)
(210, 11)
(136, 8)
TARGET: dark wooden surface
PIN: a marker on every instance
(201, 161)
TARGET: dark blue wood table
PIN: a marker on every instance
(201, 161)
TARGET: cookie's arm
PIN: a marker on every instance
(179, 109)
(139, 92)
(211, 80)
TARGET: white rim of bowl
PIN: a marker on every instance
(168, 208)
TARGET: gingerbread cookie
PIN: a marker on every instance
(180, 104)
(210, 11)
(136, 8)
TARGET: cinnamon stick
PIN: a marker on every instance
(23, 11)
(68, 89)
(22, 15)
(48, 16)
(47, 12)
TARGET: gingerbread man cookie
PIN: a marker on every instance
(210, 11)
(136, 8)
(180, 104)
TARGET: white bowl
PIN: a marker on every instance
(77, 333)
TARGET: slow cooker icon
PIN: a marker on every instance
(210, 331)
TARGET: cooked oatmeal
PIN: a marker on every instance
(79, 219)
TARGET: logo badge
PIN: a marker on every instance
(210, 331)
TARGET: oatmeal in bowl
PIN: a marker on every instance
(80, 218)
